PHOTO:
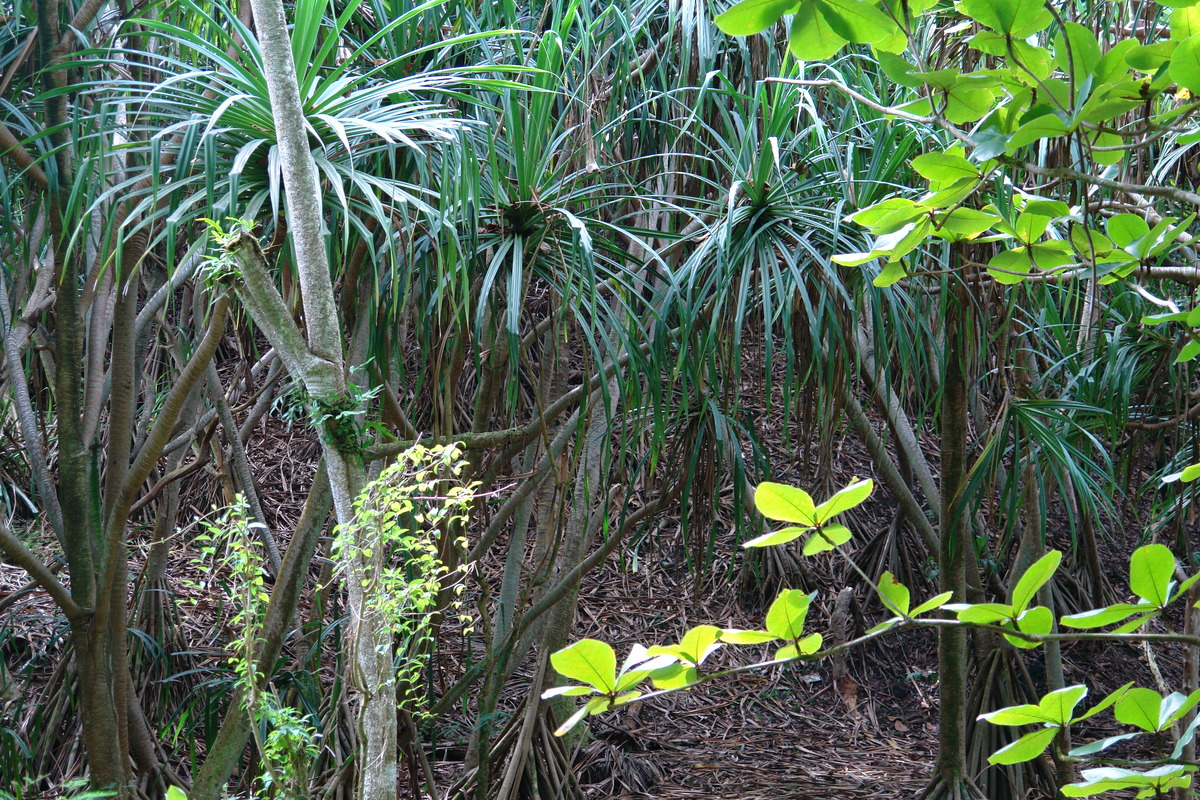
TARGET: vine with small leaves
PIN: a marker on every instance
(400, 517)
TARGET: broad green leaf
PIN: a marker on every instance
(1051, 209)
(965, 223)
(805, 647)
(1089, 243)
(567, 691)
(844, 500)
(1185, 23)
(871, 215)
(575, 718)
(1099, 617)
(785, 617)
(1189, 351)
(897, 69)
(785, 503)
(1139, 707)
(1175, 706)
(944, 167)
(1151, 569)
(1029, 227)
(1082, 48)
(1106, 139)
(175, 793)
(1019, 19)
(1104, 779)
(1038, 620)
(1151, 57)
(588, 661)
(649, 662)
(855, 20)
(1010, 266)
(934, 602)
(699, 643)
(825, 538)
(811, 37)
(1185, 64)
(753, 16)
(1034, 579)
(890, 274)
(747, 637)
(675, 676)
(1028, 747)
(782, 536)
(895, 595)
(1091, 748)
(1046, 126)
(965, 104)
(1125, 229)
(1104, 704)
(1017, 715)
(985, 613)
(1060, 704)
(1187, 474)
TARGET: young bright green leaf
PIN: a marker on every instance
(985, 613)
(753, 16)
(572, 720)
(785, 503)
(811, 37)
(1019, 19)
(1139, 707)
(1189, 351)
(1125, 229)
(699, 643)
(1034, 579)
(890, 274)
(567, 691)
(1099, 617)
(895, 595)
(1175, 706)
(844, 500)
(1105, 779)
(1010, 266)
(1112, 698)
(1029, 227)
(1185, 64)
(1079, 54)
(929, 605)
(1186, 475)
(963, 223)
(966, 104)
(1028, 747)
(1060, 704)
(747, 637)
(588, 661)
(782, 536)
(1091, 748)
(855, 20)
(675, 676)
(825, 538)
(175, 793)
(806, 646)
(785, 617)
(1151, 569)
(943, 167)
(1017, 715)
(1038, 620)
(1047, 126)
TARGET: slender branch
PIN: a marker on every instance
(24, 558)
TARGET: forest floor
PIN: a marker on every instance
(787, 733)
